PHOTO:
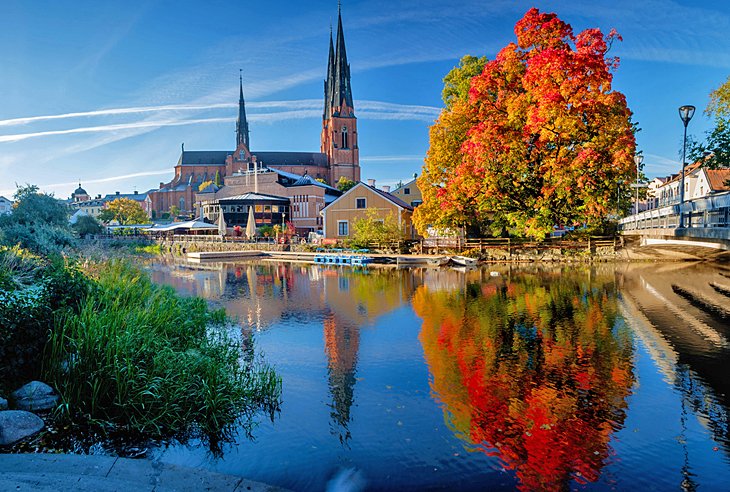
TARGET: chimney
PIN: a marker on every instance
(161, 184)
(386, 188)
(117, 193)
(136, 192)
(371, 182)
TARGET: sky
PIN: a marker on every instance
(106, 92)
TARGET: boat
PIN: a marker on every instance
(464, 261)
(411, 260)
(438, 261)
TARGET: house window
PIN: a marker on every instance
(342, 228)
(361, 203)
(416, 203)
(406, 191)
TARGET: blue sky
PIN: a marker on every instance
(106, 92)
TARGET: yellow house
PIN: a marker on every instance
(409, 193)
(339, 216)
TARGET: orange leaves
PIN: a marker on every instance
(539, 123)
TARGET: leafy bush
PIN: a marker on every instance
(140, 357)
(33, 291)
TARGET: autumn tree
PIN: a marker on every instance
(344, 184)
(544, 137)
(125, 211)
(715, 148)
(447, 136)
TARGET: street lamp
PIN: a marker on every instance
(685, 113)
(638, 159)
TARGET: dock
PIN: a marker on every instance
(315, 257)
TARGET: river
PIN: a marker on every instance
(575, 377)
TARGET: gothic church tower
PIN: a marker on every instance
(339, 125)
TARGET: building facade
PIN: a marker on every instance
(409, 192)
(338, 156)
(6, 205)
(340, 216)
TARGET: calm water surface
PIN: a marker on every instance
(611, 377)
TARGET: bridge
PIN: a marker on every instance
(705, 231)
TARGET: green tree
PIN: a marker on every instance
(39, 222)
(86, 224)
(125, 211)
(217, 179)
(344, 184)
(715, 148)
(376, 228)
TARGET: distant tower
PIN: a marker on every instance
(241, 157)
(241, 123)
(339, 124)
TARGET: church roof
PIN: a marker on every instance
(80, 191)
(291, 158)
(297, 180)
(202, 157)
(337, 88)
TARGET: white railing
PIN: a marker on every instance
(712, 211)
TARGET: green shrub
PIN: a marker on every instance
(139, 357)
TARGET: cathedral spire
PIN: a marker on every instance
(241, 123)
(329, 83)
(342, 93)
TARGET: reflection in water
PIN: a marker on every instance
(532, 367)
(534, 370)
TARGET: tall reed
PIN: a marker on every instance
(139, 357)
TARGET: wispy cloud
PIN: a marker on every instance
(306, 108)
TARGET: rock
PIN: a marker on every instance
(35, 396)
(18, 424)
(3, 404)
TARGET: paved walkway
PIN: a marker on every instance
(68, 472)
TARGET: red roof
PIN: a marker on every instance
(718, 179)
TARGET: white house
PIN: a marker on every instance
(6, 206)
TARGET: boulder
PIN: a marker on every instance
(18, 424)
(3, 404)
(35, 396)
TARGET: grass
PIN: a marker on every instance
(140, 358)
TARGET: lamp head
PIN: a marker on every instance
(686, 113)
(638, 159)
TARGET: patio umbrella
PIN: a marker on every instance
(222, 224)
(251, 224)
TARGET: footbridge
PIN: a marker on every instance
(705, 230)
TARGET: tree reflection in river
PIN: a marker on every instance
(533, 370)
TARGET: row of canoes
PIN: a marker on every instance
(349, 260)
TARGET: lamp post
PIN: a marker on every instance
(685, 113)
(638, 159)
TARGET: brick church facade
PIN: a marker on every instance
(339, 154)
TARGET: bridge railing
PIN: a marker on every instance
(709, 212)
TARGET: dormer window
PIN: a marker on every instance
(344, 137)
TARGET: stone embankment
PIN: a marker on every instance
(83, 473)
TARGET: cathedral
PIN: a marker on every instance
(296, 176)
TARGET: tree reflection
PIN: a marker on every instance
(534, 371)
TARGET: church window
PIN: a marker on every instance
(182, 203)
(344, 137)
(242, 154)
